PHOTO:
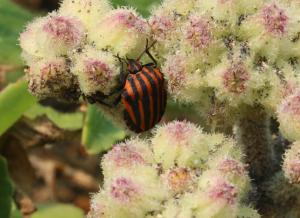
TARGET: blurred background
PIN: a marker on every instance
(49, 151)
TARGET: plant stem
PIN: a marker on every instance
(253, 133)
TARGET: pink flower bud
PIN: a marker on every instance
(161, 25)
(179, 179)
(223, 191)
(198, 32)
(291, 163)
(180, 132)
(235, 78)
(64, 29)
(122, 31)
(231, 166)
(124, 155)
(46, 76)
(175, 70)
(274, 19)
(289, 116)
(124, 190)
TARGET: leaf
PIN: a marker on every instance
(6, 190)
(69, 121)
(142, 6)
(57, 210)
(99, 134)
(14, 101)
(15, 213)
(12, 21)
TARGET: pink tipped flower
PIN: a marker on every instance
(198, 32)
(160, 26)
(289, 88)
(291, 163)
(235, 78)
(274, 19)
(293, 171)
(124, 190)
(292, 104)
(289, 116)
(231, 166)
(129, 20)
(223, 191)
(98, 72)
(179, 179)
(124, 155)
(121, 31)
(65, 29)
(181, 131)
(45, 79)
(175, 69)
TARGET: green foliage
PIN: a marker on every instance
(6, 190)
(14, 101)
(69, 121)
(142, 6)
(12, 21)
(99, 134)
(58, 211)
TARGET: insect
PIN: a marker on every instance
(143, 93)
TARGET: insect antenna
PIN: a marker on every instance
(146, 49)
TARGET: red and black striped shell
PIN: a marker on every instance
(144, 98)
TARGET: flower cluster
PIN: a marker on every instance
(80, 45)
(179, 172)
(213, 53)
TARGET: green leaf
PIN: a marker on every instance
(6, 190)
(15, 213)
(99, 134)
(12, 21)
(69, 121)
(14, 101)
(58, 211)
(142, 6)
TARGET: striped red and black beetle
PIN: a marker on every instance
(142, 93)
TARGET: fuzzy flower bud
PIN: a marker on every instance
(45, 79)
(185, 82)
(274, 19)
(234, 82)
(97, 71)
(198, 32)
(179, 143)
(218, 199)
(87, 11)
(235, 78)
(291, 164)
(288, 115)
(134, 194)
(122, 31)
(161, 25)
(179, 179)
(132, 155)
(53, 35)
(234, 171)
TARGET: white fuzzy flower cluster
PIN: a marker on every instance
(179, 172)
(228, 53)
(219, 55)
(74, 51)
(242, 52)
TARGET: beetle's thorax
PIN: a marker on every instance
(134, 66)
